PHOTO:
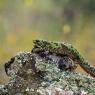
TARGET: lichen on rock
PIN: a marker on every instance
(30, 74)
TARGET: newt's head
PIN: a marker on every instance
(38, 43)
(46, 44)
(42, 43)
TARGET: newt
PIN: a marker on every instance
(61, 49)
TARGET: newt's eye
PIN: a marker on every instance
(36, 41)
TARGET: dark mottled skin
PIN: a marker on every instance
(64, 49)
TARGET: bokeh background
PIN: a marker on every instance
(21, 21)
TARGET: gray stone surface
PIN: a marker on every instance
(31, 75)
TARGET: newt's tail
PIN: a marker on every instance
(81, 61)
(87, 67)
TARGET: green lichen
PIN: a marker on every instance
(47, 77)
(30, 74)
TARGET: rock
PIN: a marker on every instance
(30, 75)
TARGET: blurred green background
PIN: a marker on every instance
(21, 21)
